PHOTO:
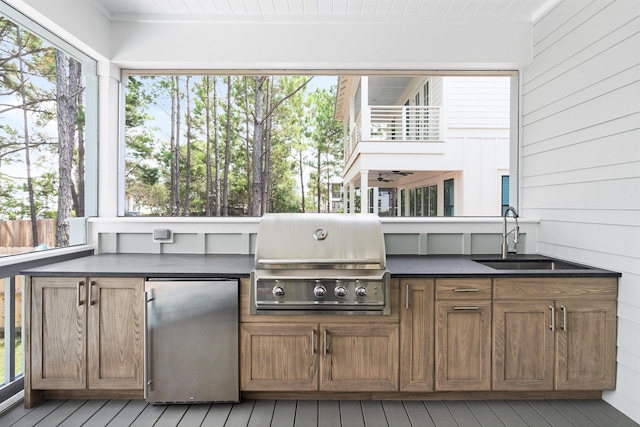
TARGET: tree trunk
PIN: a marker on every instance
(301, 163)
(187, 166)
(217, 144)
(227, 154)
(66, 109)
(27, 154)
(318, 177)
(209, 180)
(258, 131)
(246, 144)
(175, 146)
(267, 149)
(75, 85)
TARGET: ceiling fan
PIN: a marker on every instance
(383, 177)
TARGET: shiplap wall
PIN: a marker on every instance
(581, 155)
(237, 235)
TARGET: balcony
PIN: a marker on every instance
(395, 123)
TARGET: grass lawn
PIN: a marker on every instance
(18, 358)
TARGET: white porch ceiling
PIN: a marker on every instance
(183, 9)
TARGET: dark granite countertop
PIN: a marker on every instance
(225, 266)
(464, 266)
(150, 265)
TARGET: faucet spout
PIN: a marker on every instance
(516, 232)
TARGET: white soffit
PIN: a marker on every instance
(196, 10)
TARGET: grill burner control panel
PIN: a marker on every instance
(329, 295)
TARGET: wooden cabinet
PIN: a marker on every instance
(523, 349)
(280, 357)
(586, 345)
(305, 357)
(416, 334)
(359, 357)
(87, 333)
(463, 334)
(554, 333)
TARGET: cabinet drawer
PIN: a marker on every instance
(602, 288)
(463, 289)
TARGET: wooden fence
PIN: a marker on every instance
(17, 234)
(15, 238)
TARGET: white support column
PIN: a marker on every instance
(364, 191)
(376, 195)
(398, 206)
(352, 198)
(365, 112)
(345, 196)
(407, 202)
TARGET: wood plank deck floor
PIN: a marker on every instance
(302, 413)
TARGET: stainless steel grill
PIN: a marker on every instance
(321, 263)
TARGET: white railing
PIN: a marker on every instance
(404, 123)
(396, 123)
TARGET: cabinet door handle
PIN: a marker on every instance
(91, 285)
(79, 286)
(467, 308)
(326, 346)
(313, 342)
(406, 296)
(467, 290)
(552, 326)
(564, 317)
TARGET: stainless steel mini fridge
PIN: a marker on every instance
(191, 341)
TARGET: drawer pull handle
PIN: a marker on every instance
(326, 345)
(467, 290)
(313, 342)
(91, 285)
(79, 286)
(406, 296)
(552, 326)
(467, 308)
(564, 317)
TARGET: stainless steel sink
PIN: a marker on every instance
(530, 264)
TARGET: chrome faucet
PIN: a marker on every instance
(515, 231)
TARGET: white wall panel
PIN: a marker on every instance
(319, 43)
(580, 164)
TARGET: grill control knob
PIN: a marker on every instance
(319, 291)
(277, 291)
(340, 291)
(361, 291)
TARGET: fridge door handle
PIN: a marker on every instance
(148, 371)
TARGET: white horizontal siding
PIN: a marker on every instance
(477, 102)
(580, 154)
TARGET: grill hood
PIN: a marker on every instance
(300, 241)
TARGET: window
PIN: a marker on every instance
(181, 163)
(48, 138)
(504, 194)
(212, 145)
(448, 197)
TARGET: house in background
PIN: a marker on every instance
(426, 145)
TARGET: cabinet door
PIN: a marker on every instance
(278, 357)
(116, 333)
(416, 335)
(58, 333)
(359, 357)
(586, 345)
(463, 345)
(523, 351)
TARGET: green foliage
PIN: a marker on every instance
(148, 148)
